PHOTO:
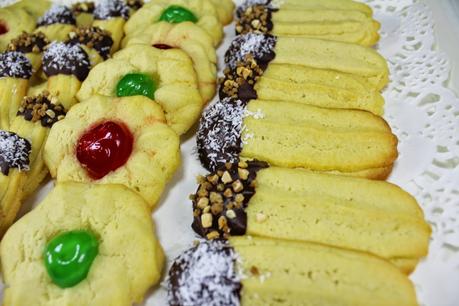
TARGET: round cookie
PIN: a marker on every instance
(126, 257)
(107, 140)
(12, 23)
(191, 39)
(200, 12)
(173, 83)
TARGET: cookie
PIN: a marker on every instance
(192, 40)
(57, 22)
(164, 76)
(225, 10)
(333, 23)
(85, 245)
(32, 45)
(66, 66)
(14, 163)
(35, 8)
(295, 135)
(83, 12)
(359, 214)
(200, 12)
(111, 15)
(13, 21)
(15, 73)
(115, 141)
(261, 271)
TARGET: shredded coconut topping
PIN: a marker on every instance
(219, 134)
(15, 64)
(14, 152)
(57, 14)
(66, 59)
(205, 275)
(106, 9)
(256, 44)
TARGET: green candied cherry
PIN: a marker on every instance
(136, 84)
(177, 14)
(69, 256)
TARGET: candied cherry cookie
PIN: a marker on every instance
(189, 38)
(14, 163)
(293, 135)
(107, 140)
(13, 21)
(164, 76)
(83, 245)
(32, 45)
(254, 199)
(15, 73)
(200, 12)
(57, 22)
(259, 272)
(309, 19)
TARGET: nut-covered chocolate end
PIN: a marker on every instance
(43, 108)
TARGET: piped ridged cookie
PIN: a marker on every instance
(259, 271)
(225, 10)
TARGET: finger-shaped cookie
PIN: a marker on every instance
(66, 67)
(14, 163)
(115, 141)
(13, 21)
(352, 213)
(362, 62)
(83, 12)
(111, 15)
(57, 22)
(261, 271)
(164, 76)
(225, 10)
(15, 72)
(200, 12)
(295, 135)
(32, 45)
(192, 40)
(82, 238)
(350, 25)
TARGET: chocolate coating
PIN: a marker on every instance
(41, 108)
(14, 152)
(29, 43)
(248, 3)
(66, 59)
(257, 18)
(15, 64)
(106, 9)
(260, 46)
(93, 37)
(57, 14)
(83, 7)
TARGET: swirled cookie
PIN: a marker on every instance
(257, 271)
(296, 135)
(107, 140)
(225, 10)
(35, 8)
(200, 12)
(57, 22)
(12, 23)
(83, 245)
(359, 214)
(189, 38)
(164, 76)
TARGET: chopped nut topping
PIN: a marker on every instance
(226, 178)
(222, 222)
(41, 108)
(216, 198)
(237, 186)
(203, 203)
(243, 174)
(216, 208)
(213, 235)
(206, 220)
(228, 193)
(256, 18)
(29, 42)
(94, 38)
(230, 214)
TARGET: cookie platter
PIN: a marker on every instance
(173, 215)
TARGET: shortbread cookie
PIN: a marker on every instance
(164, 76)
(83, 12)
(115, 141)
(200, 12)
(15, 72)
(111, 15)
(97, 43)
(291, 204)
(261, 271)
(191, 39)
(66, 66)
(32, 45)
(35, 8)
(295, 135)
(225, 10)
(57, 22)
(14, 163)
(332, 23)
(13, 21)
(83, 245)
(364, 63)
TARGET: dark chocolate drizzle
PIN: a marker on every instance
(61, 58)
(93, 38)
(29, 43)
(135, 4)
(15, 64)
(83, 7)
(225, 194)
(57, 14)
(106, 9)
(42, 108)
(14, 152)
(205, 275)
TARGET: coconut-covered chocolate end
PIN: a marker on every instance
(15, 64)
(67, 59)
(14, 152)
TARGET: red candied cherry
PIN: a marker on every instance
(3, 27)
(162, 46)
(104, 148)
